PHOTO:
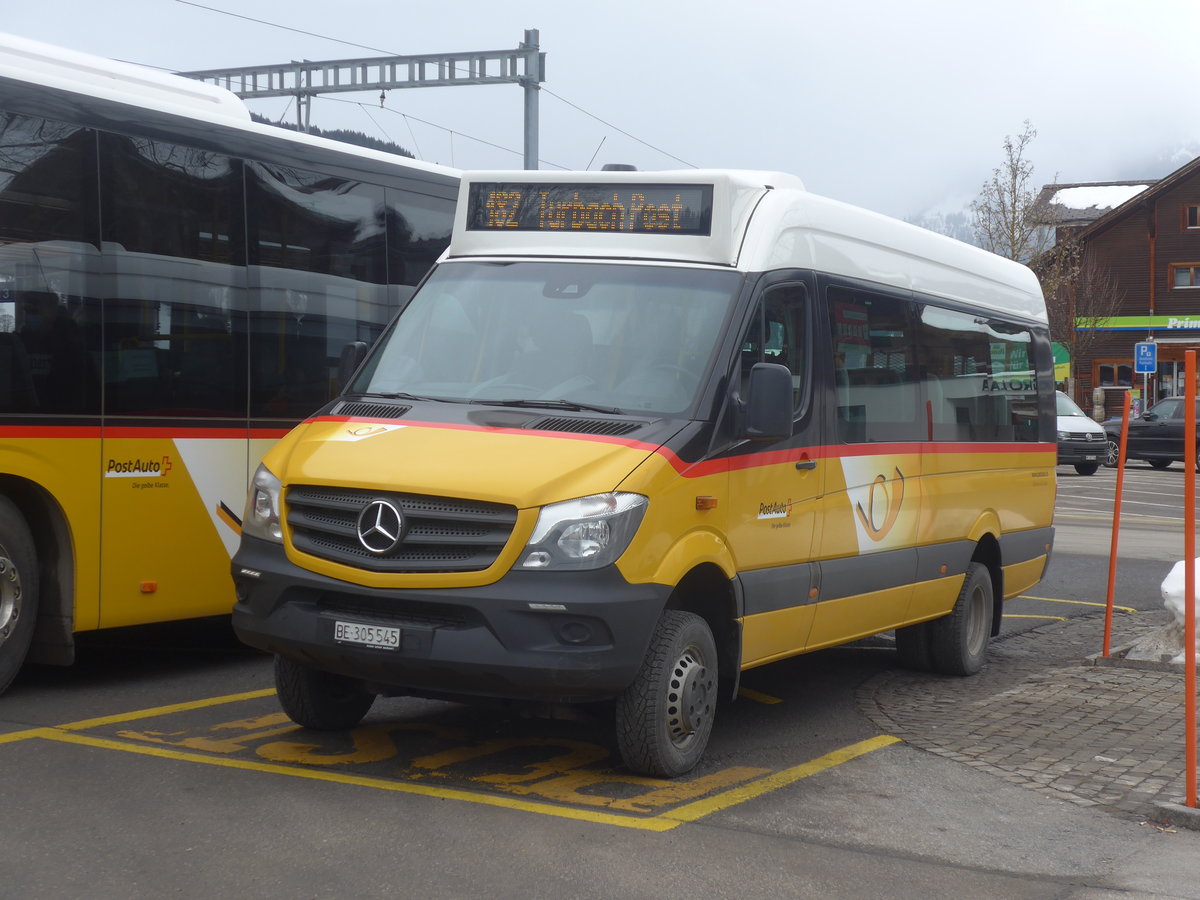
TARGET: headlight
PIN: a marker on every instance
(584, 534)
(261, 517)
(1064, 436)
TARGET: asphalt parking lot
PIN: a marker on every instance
(161, 764)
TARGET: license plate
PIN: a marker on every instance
(378, 636)
(1090, 458)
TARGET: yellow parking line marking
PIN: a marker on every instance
(690, 812)
(653, 824)
(1128, 609)
(1050, 618)
(14, 736)
(757, 696)
(697, 810)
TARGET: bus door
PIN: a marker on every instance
(870, 513)
(774, 487)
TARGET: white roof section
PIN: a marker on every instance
(22, 59)
(763, 221)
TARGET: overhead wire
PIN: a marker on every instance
(451, 131)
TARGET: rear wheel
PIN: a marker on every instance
(1160, 463)
(320, 700)
(1087, 468)
(958, 642)
(665, 717)
(18, 591)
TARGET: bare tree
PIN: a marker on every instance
(1081, 293)
(1005, 216)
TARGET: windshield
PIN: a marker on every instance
(619, 337)
(1067, 407)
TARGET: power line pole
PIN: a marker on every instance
(305, 79)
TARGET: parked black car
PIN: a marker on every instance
(1156, 436)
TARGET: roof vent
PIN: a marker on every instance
(618, 167)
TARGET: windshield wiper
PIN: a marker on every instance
(401, 395)
(575, 405)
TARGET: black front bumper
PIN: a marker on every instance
(1081, 452)
(543, 636)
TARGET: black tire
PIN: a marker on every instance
(1160, 463)
(665, 717)
(18, 591)
(1087, 468)
(320, 700)
(912, 647)
(1112, 450)
(958, 642)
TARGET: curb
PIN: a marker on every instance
(1177, 814)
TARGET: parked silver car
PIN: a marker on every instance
(1081, 441)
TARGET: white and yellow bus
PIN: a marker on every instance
(176, 285)
(639, 432)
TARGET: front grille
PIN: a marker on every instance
(1086, 436)
(440, 534)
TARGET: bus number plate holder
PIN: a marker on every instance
(380, 637)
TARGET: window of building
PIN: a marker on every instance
(1185, 275)
(1191, 217)
(1113, 373)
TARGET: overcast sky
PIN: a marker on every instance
(896, 106)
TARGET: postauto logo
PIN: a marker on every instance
(138, 468)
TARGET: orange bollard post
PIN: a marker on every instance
(1189, 569)
(1116, 527)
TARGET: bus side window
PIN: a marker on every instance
(875, 367)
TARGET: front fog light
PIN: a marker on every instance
(586, 533)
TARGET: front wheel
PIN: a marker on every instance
(1112, 451)
(1087, 468)
(18, 591)
(665, 717)
(320, 700)
(958, 642)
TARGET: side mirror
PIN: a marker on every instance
(352, 356)
(769, 403)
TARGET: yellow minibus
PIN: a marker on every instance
(639, 432)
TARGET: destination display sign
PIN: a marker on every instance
(684, 209)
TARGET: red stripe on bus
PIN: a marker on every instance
(137, 432)
(703, 468)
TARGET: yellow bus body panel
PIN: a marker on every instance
(66, 468)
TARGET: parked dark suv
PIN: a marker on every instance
(1156, 436)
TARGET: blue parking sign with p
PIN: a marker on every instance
(1145, 357)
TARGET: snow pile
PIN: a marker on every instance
(1097, 196)
(1166, 644)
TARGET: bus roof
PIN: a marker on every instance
(34, 62)
(751, 221)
